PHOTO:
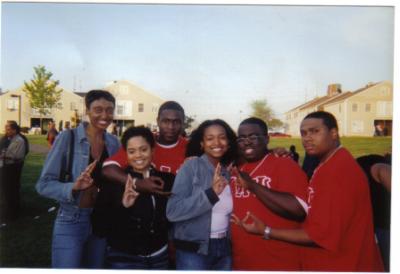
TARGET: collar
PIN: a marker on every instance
(81, 133)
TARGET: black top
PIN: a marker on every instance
(141, 229)
(380, 197)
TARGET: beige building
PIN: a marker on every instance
(14, 105)
(365, 112)
(134, 106)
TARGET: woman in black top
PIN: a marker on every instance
(137, 230)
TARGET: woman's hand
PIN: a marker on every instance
(84, 181)
(130, 195)
(255, 227)
(219, 182)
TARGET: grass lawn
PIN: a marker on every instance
(25, 243)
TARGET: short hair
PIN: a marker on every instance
(97, 94)
(138, 131)
(327, 118)
(13, 125)
(256, 121)
(173, 106)
(194, 148)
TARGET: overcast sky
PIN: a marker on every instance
(213, 59)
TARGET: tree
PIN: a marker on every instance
(42, 92)
(188, 122)
(263, 111)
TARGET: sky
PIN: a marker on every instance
(213, 59)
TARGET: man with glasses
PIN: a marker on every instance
(273, 188)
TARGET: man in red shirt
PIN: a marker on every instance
(338, 229)
(272, 187)
(169, 151)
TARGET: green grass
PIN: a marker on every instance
(26, 242)
(358, 146)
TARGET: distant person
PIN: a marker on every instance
(67, 125)
(74, 245)
(13, 150)
(310, 163)
(51, 133)
(378, 171)
(274, 188)
(137, 233)
(338, 230)
(293, 153)
(201, 200)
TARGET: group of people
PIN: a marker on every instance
(214, 201)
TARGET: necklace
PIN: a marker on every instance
(257, 166)
(326, 160)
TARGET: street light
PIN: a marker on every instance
(19, 107)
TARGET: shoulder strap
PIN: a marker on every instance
(66, 166)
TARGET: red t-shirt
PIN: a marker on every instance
(340, 218)
(252, 252)
(166, 158)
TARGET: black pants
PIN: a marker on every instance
(10, 187)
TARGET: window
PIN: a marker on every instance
(154, 108)
(354, 107)
(120, 109)
(384, 108)
(367, 107)
(12, 104)
(141, 107)
(124, 89)
(123, 108)
(357, 126)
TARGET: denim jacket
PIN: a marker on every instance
(190, 206)
(49, 185)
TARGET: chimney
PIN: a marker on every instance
(334, 89)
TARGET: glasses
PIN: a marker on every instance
(251, 139)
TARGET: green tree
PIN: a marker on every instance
(188, 122)
(42, 91)
(263, 111)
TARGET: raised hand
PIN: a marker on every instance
(243, 179)
(84, 181)
(130, 195)
(219, 182)
(153, 185)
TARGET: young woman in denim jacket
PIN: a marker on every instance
(73, 244)
(201, 201)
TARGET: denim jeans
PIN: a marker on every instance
(218, 258)
(121, 260)
(74, 245)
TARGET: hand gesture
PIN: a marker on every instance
(84, 181)
(219, 182)
(152, 185)
(130, 195)
(242, 179)
(256, 227)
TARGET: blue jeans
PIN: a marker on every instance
(121, 260)
(74, 245)
(218, 258)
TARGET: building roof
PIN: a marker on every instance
(321, 101)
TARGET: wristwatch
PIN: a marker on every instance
(267, 232)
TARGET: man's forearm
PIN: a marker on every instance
(114, 174)
(281, 203)
(294, 236)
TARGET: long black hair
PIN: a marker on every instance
(194, 148)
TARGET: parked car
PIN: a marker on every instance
(279, 134)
